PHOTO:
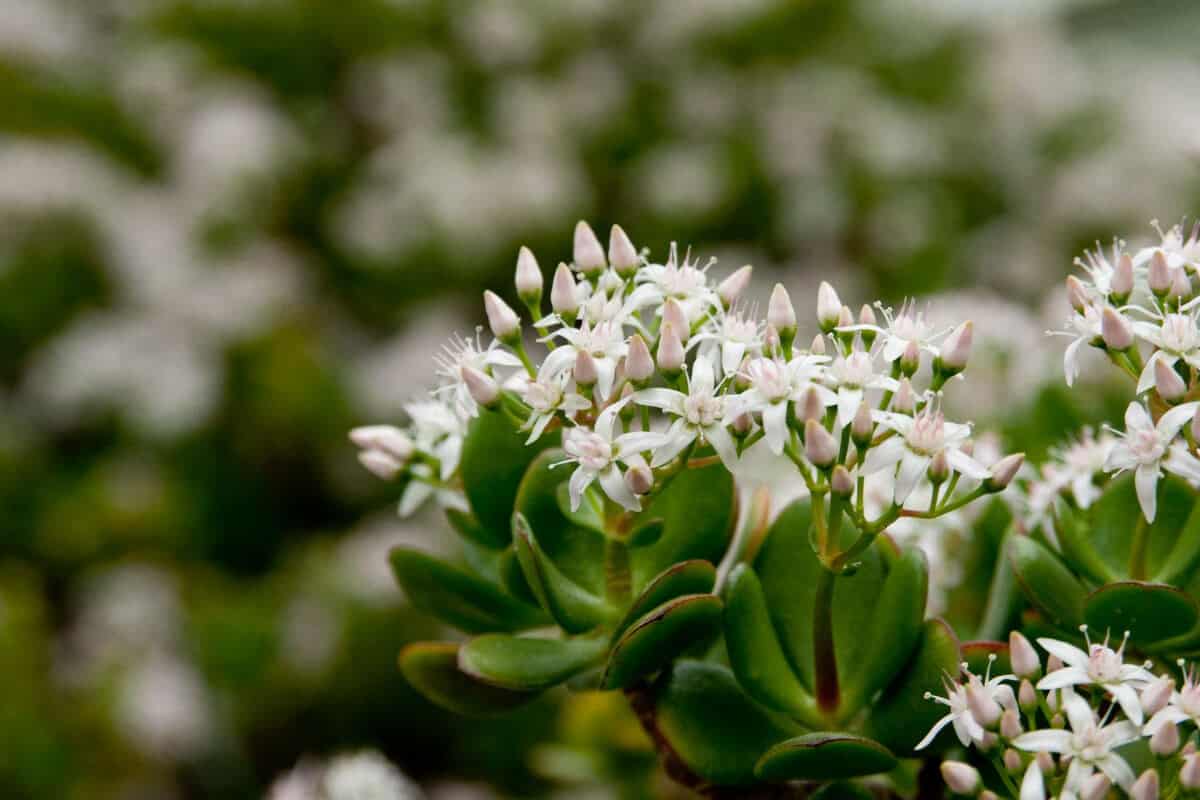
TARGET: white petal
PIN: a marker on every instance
(1071, 361)
(731, 356)
(633, 442)
(722, 442)
(1171, 422)
(1048, 741)
(936, 729)
(883, 456)
(556, 362)
(415, 495)
(614, 486)
(608, 418)
(540, 421)
(775, 426)
(580, 479)
(912, 469)
(673, 443)
(1119, 458)
(666, 399)
(1118, 770)
(1137, 418)
(1079, 713)
(1033, 785)
(606, 370)
(702, 377)
(1127, 698)
(963, 463)
(1145, 480)
(848, 402)
(1067, 653)
(1183, 464)
(1067, 676)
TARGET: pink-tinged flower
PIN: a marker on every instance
(604, 342)
(1175, 337)
(460, 352)
(683, 280)
(774, 384)
(920, 439)
(735, 335)
(1084, 327)
(1101, 666)
(1090, 743)
(598, 452)
(546, 399)
(851, 376)
(700, 415)
(902, 328)
(1148, 449)
(1183, 706)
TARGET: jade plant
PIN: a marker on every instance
(613, 539)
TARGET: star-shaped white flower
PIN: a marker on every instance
(1101, 666)
(1100, 268)
(604, 342)
(851, 376)
(900, 328)
(700, 413)
(459, 353)
(546, 399)
(682, 280)
(1183, 706)
(438, 429)
(966, 727)
(735, 334)
(1148, 449)
(598, 452)
(1090, 743)
(1175, 337)
(920, 439)
(1083, 328)
(774, 384)
(1181, 250)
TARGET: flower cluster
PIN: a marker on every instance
(1141, 310)
(1074, 474)
(1063, 729)
(650, 368)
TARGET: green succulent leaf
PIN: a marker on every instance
(1072, 532)
(842, 790)
(824, 756)
(1046, 582)
(512, 577)
(902, 716)
(688, 577)
(576, 550)
(572, 607)
(472, 531)
(982, 656)
(494, 460)
(459, 598)
(711, 725)
(660, 636)
(527, 663)
(1150, 612)
(647, 533)
(1113, 521)
(432, 669)
(755, 654)
(1180, 564)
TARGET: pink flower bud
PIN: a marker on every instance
(985, 709)
(483, 388)
(939, 467)
(1010, 724)
(1012, 761)
(961, 778)
(845, 317)
(1157, 694)
(862, 427)
(388, 438)
(743, 423)
(780, 312)
(585, 372)
(1027, 695)
(958, 347)
(639, 365)
(1167, 383)
(1159, 276)
(1004, 470)
(771, 343)
(564, 297)
(1165, 740)
(1115, 329)
(1024, 659)
(670, 349)
(503, 320)
(621, 253)
(1077, 294)
(1045, 763)
(1189, 773)
(1122, 279)
(819, 445)
(588, 254)
(674, 315)
(841, 482)
(904, 401)
(730, 289)
(1181, 285)
(809, 405)
(529, 276)
(1095, 787)
(818, 345)
(1145, 787)
(380, 464)
(1053, 664)
(866, 316)
(910, 359)
(639, 478)
(829, 307)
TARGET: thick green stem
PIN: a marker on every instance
(1137, 553)
(618, 579)
(824, 656)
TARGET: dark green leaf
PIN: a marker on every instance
(1180, 565)
(528, 663)
(572, 606)
(688, 577)
(1114, 520)
(577, 551)
(1046, 582)
(469, 528)
(660, 636)
(432, 668)
(982, 657)
(824, 756)
(1150, 612)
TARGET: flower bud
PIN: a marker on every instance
(910, 359)
(1024, 659)
(819, 445)
(743, 423)
(1159, 276)
(588, 254)
(818, 345)
(1189, 773)
(564, 298)
(846, 320)
(989, 741)
(1122, 279)
(670, 350)
(388, 438)
(957, 348)
(771, 343)
(1003, 471)
(585, 372)
(1095, 787)
(988, 794)
(1181, 285)
(483, 388)
(1145, 787)
(841, 482)
(1027, 696)
(380, 464)
(730, 289)
(904, 401)
(1077, 294)
(829, 307)
(1012, 761)
(939, 468)
(1045, 762)
(1157, 694)
(1165, 740)
(866, 315)
(809, 405)
(639, 365)
(862, 427)
(782, 315)
(529, 277)
(1115, 329)
(621, 253)
(959, 777)
(505, 324)
(1167, 383)
(1053, 664)
(1010, 724)
(985, 709)
(674, 315)
(638, 477)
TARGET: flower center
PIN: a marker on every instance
(1090, 745)
(770, 377)
(1145, 445)
(853, 372)
(590, 449)
(1179, 334)
(543, 397)
(704, 410)
(1104, 665)
(927, 435)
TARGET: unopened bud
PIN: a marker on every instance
(1045, 762)
(1095, 787)
(957, 348)
(1122, 279)
(841, 482)
(1115, 329)
(1165, 740)
(810, 406)
(862, 427)
(1024, 659)
(1181, 285)
(1167, 383)
(621, 253)
(639, 478)
(1053, 663)
(504, 322)
(1159, 276)
(674, 315)
(939, 468)
(1156, 694)
(483, 388)
(819, 445)
(1146, 786)
(989, 741)
(818, 345)
(588, 254)
(380, 464)
(866, 316)
(1027, 696)
(829, 307)
(529, 277)
(904, 401)
(387, 438)
(1077, 294)
(771, 342)
(910, 359)
(1012, 761)
(959, 777)
(730, 289)
(564, 297)
(670, 349)
(846, 320)
(743, 423)
(585, 371)
(1010, 724)
(1189, 773)
(983, 707)
(639, 365)
(1003, 471)
(782, 315)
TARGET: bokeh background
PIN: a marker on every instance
(230, 230)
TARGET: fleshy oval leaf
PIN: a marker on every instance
(571, 606)
(576, 550)
(432, 669)
(688, 577)
(661, 636)
(824, 756)
(1151, 612)
(527, 663)
(1046, 582)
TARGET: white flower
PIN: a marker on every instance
(459, 353)
(1078, 464)
(366, 776)
(736, 334)
(604, 342)
(546, 399)
(1183, 706)
(920, 439)
(700, 412)
(907, 325)
(684, 281)
(774, 384)
(1147, 448)
(598, 453)
(1176, 337)
(851, 376)
(1100, 665)
(1100, 268)
(1180, 250)
(1084, 328)
(967, 728)
(438, 429)
(1033, 785)
(1090, 744)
